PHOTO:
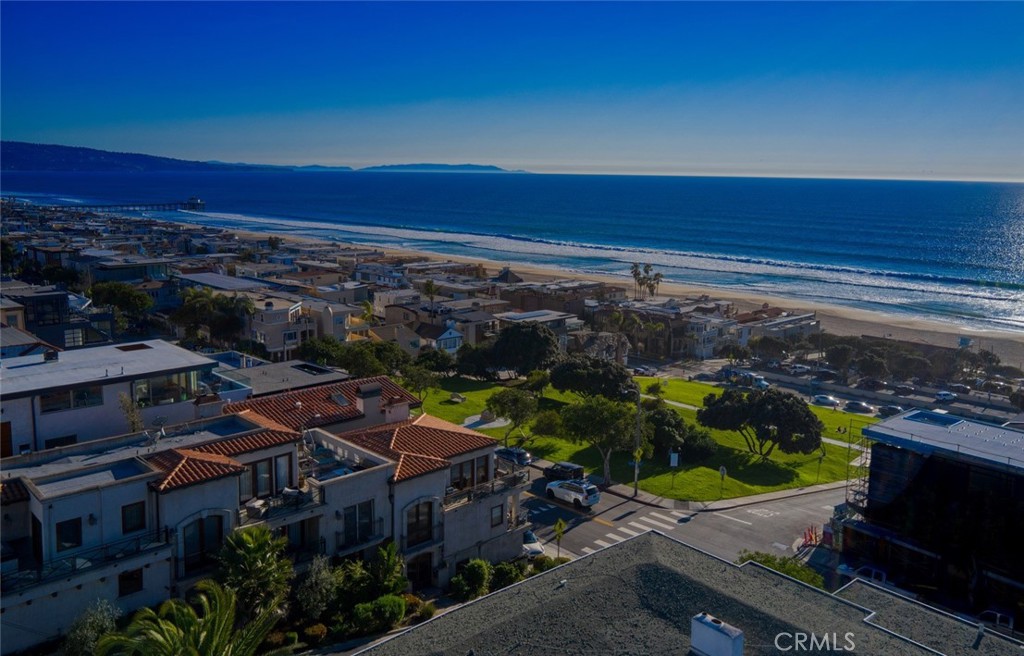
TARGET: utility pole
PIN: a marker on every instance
(636, 447)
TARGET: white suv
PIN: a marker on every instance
(579, 493)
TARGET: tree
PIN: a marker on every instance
(122, 296)
(606, 425)
(634, 270)
(516, 405)
(505, 574)
(390, 355)
(524, 347)
(537, 381)
(840, 356)
(784, 565)
(176, 629)
(8, 256)
(559, 529)
(318, 591)
(475, 580)
(1017, 398)
(229, 316)
(474, 361)
(734, 352)
(385, 572)
(437, 360)
(252, 564)
(321, 350)
(872, 366)
(767, 346)
(590, 376)
(548, 423)
(274, 243)
(359, 360)
(430, 289)
(669, 432)
(419, 380)
(131, 413)
(99, 619)
(765, 419)
(367, 315)
(55, 274)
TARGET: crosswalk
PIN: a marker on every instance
(667, 520)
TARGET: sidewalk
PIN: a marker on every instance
(626, 492)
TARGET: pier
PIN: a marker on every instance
(192, 204)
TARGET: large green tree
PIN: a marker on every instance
(590, 376)
(770, 347)
(765, 419)
(253, 565)
(516, 405)
(523, 347)
(419, 380)
(437, 360)
(604, 424)
(176, 629)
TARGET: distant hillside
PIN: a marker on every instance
(452, 168)
(21, 156)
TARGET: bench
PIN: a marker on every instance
(457, 398)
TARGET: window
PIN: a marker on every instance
(419, 522)
(161, 390)
(55, 442)
(282, 472)
(245, 485)
(462, 475)
(133, 517)
(358, 524)
(73, 337)
(87, 397)
(203, 539)
(482, 465)
(54, 402)
(129, 582)
(497, 515)
(69, 534)
(261, 476)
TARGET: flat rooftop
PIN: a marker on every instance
(927, 432)
(283, 376)
(638, 597)
(30, 374)
(220, 281)
(535, 315)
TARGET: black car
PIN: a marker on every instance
(515, 454)
(904, 390)
(889, 411)
(959, 388)
(870, 384)
(564, 471)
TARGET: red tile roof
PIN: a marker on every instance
(12, 491)
(184, 467)
(317, 406)
(420, 445)
(237, 445)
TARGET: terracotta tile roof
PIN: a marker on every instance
(184, 467)
(246, 443)
(318, 407)
(12, 491)
(421, 445)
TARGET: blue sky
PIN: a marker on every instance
(910, 90)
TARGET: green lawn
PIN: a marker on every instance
(746, 474)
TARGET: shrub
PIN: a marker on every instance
(412, 604)
(477, 574)
(458, 588)
(505, 574)
(544, 563)
(427, 611)
(388, 611)
(315, 634)
(291, 638)
(319, 590)
(98, 619)
(785, 565)
(275, 639)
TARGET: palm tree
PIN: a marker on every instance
(430, 289)
(198, 304)
(177, 629)
(634, 269)
(252, 564)
(385, 572)
(633, 323)
(645, 281)
(368, 316)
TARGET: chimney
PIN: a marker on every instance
(368, 400)
(710, 636)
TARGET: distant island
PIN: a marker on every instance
(23, 156)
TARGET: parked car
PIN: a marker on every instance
(859, 406)
(799, 369)
(959, 388)
(515, 454)
(871, 384)
(904, 389)
(579, 493)
(564, 471)
(889, 411)
(826, 374)
(825, 399)
(532, 547)
(945, 397)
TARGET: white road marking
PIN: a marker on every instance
(627, 531)
(679, 514)
(809, 512)
(587, 550)
(780, 546)
(667, 527)
(615, 537)
(736, 520)
(829, 507)
(643, 529)
(601, 543)
(664, 518)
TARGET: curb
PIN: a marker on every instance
(750, 501)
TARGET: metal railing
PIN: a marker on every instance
(423, 540)
(280, 505)
(495, 486)
(87, 559)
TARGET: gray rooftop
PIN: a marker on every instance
(283, 376)
(638, 596)
(31, 374)
(220, 281)
(928, 432)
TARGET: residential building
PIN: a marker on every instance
(130, 269)
(405, 297)
(400, 334)
(381, 274)
(561, 323)
(12, 313)
(57, 399)
(442, 338)
(940, 512)
(280, 325)
(652, 594)
(48, 313)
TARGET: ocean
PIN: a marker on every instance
(942, 251)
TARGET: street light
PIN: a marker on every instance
(636, 448)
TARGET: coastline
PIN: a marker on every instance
(835, 319)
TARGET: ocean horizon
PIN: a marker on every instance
(940, 251)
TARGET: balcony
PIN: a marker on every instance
(289, 502)
(419, 541)
(82, 561)
(498, 485)
(349, 541)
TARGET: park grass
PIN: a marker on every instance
(746, 473)
(681, 391)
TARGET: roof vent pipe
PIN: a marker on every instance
(710, 636)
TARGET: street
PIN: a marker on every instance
(775, 526)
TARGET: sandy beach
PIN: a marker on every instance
(838, 320)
